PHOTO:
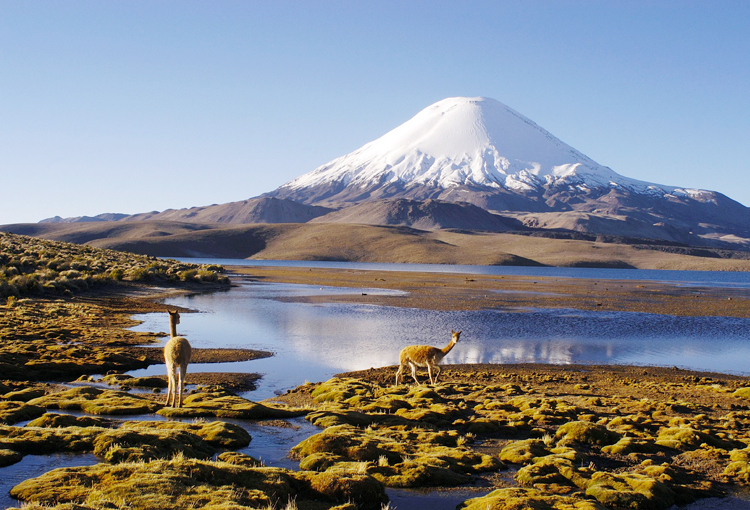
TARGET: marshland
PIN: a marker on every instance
(551, 399)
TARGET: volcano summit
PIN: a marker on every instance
(478, 150)
(463, 141)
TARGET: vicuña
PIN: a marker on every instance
(425, 356)
(177, 354)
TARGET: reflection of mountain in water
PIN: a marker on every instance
(314, 341)
(550, 351)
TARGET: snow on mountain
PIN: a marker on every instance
(470, 141)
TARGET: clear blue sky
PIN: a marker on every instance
(132, 106)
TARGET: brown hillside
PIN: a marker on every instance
(364, 243)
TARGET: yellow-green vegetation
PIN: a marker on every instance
(56, 420)
(32, 266)
(638, 444)
(43, 340)
(516, 499)
(398, 458)
(218, 434)
(125, 381)
(220, 403)
(97, 401)
(131, 441)
(191, 483)
(13, 412)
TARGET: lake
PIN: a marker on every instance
(313, 342)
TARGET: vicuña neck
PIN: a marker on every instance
(448, 347)
(172, 328)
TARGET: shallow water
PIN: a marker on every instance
(311, 342)
(692, 278)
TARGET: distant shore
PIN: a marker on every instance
(372, 243)
(454, 291)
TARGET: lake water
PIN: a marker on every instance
(313, 342)
(696, 278)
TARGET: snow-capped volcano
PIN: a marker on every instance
(479, 151)
(470, 141)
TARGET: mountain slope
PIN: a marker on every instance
(426, 215)
(365, 243)
(254, 210)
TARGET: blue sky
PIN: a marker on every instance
(132, 106)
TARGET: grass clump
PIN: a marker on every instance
(398, 458)
(97, 401)
(220, 403)
(512, 499)
(190, 483)
(13, 412)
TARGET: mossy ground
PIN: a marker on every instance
(606, 437)
(191, 483)
(580, 437)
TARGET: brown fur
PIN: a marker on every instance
(424, 356)
(177, 354)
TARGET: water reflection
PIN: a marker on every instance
(312, 342)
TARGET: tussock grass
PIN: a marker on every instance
(30, 266)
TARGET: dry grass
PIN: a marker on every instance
(31, 266)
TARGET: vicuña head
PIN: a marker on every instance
(177, 354)
(425, 356)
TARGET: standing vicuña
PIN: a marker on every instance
(177, 354)
(424, 356)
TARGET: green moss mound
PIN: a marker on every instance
(398, 458)
(56, 420)
(630, 490)
(628, 445)
(520, 452)
(97, 401)
(527, 499)
(133, 441)
(218, 434)
(687, 438)
(240, 459)
(190, 483)
(25, 394)
(129, 381)
(220, 403)
(13, 412)
(587, 433)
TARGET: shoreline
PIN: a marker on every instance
(459, 291)
(91, 333)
